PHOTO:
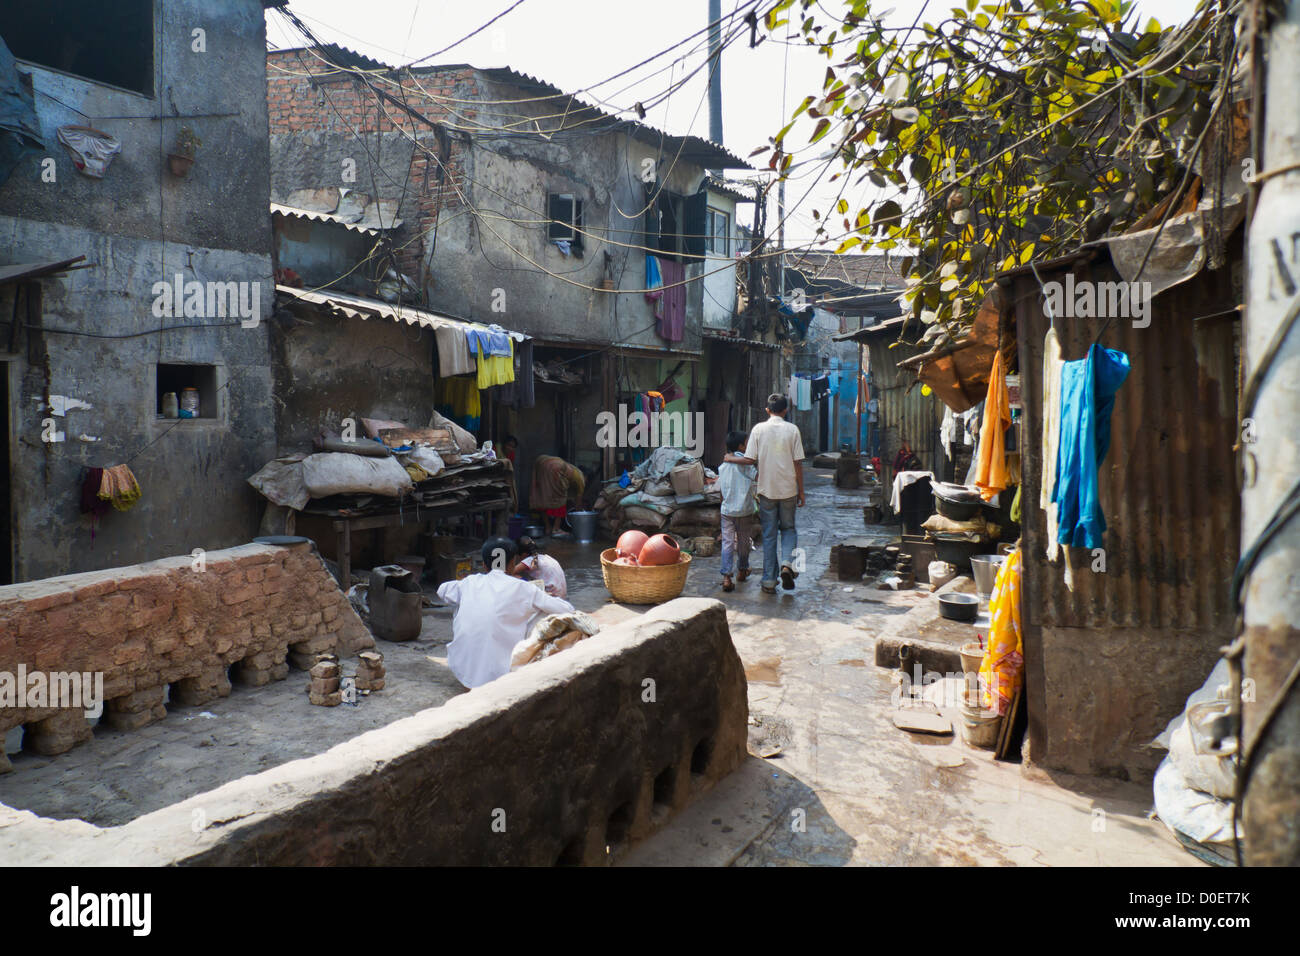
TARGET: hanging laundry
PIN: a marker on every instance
(654, 280)
(991, 475)
(91, 503)
(461, 401)
(1003, 663)
(495, 369)
(821, 387)
(119, 487)
(454, 357)
(670, 311)
(1051, 437)
(1088, 389)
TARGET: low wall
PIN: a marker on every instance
(590, 749)
(170, 622)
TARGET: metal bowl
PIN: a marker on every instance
(959, 607)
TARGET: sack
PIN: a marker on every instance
(428, 459)
(281, 482)
(641, 517)
(699, 517)
(336, 473)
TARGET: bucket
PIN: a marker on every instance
(584, 525)
(972, 656)
(979, 727)
(986, 567)
(515, 527)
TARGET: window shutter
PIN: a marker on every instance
(695, 224)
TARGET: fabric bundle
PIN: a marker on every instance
(119, 487)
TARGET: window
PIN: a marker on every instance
(676, 225)
(177, 378)
(565, 212)
(106, 42)
(718, 241)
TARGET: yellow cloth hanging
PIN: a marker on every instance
(462, 394)
(991, 476)
(119, 486)
(1003, 664)
(495, 369)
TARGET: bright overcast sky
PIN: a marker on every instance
(577, 43)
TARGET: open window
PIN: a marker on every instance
(675, 225)
(195, 388)
(565, 213)
(110, 43)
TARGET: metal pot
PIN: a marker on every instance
(959, 607)
(534, 531)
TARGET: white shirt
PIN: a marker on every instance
(546, 568)
(776, 445)
(493, 614)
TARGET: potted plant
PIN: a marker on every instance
(181, 158)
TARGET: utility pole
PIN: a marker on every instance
(715, 74)
(1270, 758)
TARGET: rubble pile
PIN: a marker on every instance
(670, 492)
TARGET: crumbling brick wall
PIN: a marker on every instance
(247, 612)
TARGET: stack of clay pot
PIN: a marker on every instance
(370, 671)
(324, 686)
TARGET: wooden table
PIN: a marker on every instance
(345, 524)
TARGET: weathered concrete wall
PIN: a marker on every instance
(137, 226)
(567, 757)
(170, 622)
(329, 368)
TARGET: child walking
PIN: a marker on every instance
(736, 482)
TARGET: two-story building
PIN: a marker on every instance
(522, 206)
(135, 269)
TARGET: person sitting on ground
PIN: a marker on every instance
(736, 482)
(493, 613)
(556, 483)
(534, 565)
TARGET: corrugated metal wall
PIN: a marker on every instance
(1109, 663)
(905, 413)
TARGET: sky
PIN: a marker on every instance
(576, 44)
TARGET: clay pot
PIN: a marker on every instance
(627, 561)
(630, 543)
(660, 550)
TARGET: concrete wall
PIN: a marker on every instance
(170, 622)
(590, 749)
(137, 226)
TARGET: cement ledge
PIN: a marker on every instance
(326, 809)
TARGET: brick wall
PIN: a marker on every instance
(305, 94)
(569, 760)
(257, 607)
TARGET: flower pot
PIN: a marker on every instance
(179, 165)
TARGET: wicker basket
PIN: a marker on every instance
(649, 585)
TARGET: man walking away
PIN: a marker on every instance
(777, 448)
(737, 484)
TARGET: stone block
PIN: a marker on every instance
(326, 700)
(57, 734)
(323, 685)
(209, 685)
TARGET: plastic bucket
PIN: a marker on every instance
(985, 568)
(584, 525)
(979, 727)
(515, 527)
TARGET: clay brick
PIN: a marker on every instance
(255, 575)
(88, 592)
(329, 613)
(241, 595)
(47, 601)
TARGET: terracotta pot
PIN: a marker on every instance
(660, 550)
(630, 543)
(627, 561)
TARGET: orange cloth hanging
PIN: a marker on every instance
(991, 476)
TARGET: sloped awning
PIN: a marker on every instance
(37, 270)
(355, 307)
(959, 374)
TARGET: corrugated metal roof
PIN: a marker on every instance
(295, 212)
(356, 307)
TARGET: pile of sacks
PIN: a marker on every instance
(661, 496)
